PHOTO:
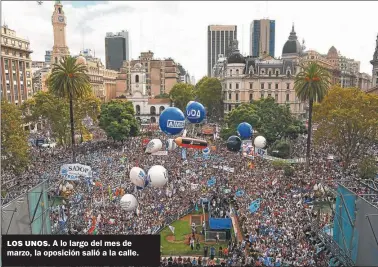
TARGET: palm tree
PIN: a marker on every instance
(69, 80)
(311, 85)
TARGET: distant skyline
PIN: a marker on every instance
(179, 29)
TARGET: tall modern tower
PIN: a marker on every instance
(219, 37)
(262, 37)
(374, 62)
(116, 49)
(60, 48)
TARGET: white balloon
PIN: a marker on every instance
(128, 202)
(260, 142)
(157, 176)
(170, 145)
(138, 176)
(154, 146)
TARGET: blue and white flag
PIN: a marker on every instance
(239, 193)
(183, 153)
(212, 181)
(255, 205)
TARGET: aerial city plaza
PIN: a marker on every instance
(255, 147)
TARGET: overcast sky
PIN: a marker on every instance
(179, 29)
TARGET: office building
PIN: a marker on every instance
(262, 37)
(48, 54)
(16, 78)
(219, 38)
(116, 49)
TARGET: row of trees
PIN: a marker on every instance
(208, 91)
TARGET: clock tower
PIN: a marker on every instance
(58, 20)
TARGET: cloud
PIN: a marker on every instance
(179, 29)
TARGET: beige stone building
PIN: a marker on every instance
(161, 75)
(16, 78)
(103, 81)
(59, 22)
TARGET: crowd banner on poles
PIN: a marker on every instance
(160, 153)
(76, 169)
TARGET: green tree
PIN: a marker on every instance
(311, 85)
(54, 112)
(270, 119)
(69, 80)
(288, 170)
(209, 93)
(181, 94)
(367, 168)
(164, 95)
(280, 149)
(117, 119)
(14, 143)
(348, 121)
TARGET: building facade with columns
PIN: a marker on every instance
(245, 79)
(16, 64)
(147, 109)
(161, 75)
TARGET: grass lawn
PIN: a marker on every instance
(179, 246)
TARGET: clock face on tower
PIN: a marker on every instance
(60, 18)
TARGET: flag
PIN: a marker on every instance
(110, 193)
(255, 205)
(239, 193)
(212, 181)
(172, 229)
(183, 153)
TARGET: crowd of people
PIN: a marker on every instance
(273, 235)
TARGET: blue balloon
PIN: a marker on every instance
(245, 130)
(172, 121)
(195, 112)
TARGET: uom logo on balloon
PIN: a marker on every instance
(193, 113)
(175, 124)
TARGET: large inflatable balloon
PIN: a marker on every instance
(260, 142)
(172, 121)
(154, 145)
(128, 202)
(138, 177)
(170, 145)
(191, 143)
(195, 112)
(245, 130)
(157, 176)
(234, 143)
(190, 102)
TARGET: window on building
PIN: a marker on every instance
(237, 72)
(137, 78)
(287, 97)
(229, 96)
(229, 108)
(277, 73)
(270, 73)
(262, 71)
(21, 54)
(262, 95)
(13, 53)
(230, 72)
(276, 97)
(250, 97)
(276, 86)
(6, 51)
(288, 86)
(28, 83)
(269, 86)
(262, 85)
(288, 73)
(237, 96)
(28, 74)
(7, 76)
(237, 86)
(250, 85)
